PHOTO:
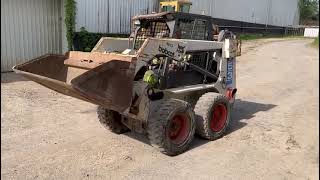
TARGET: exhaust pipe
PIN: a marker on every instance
(231, 93)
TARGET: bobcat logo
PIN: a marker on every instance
(165, 51)
(180, 49)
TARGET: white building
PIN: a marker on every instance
(270, 12)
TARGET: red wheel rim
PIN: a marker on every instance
(179, 128)
(219, 117)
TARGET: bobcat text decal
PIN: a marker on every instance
(165, 51)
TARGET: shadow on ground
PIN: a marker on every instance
(245, 110)
(242, 112)
(9, 77)
(139, 137)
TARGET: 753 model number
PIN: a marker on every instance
(229, 72)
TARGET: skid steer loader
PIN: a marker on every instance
(169, 80)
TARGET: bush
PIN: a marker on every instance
(85, 41)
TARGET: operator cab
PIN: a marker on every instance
(176, 25)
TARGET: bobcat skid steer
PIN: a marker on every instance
(153, 82)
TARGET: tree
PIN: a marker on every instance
(309, 9)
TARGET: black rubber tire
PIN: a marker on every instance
(203, 114)
(158, 125)
(111, 120)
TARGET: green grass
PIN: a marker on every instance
(247, 37)
(250, 36)
(316, 42)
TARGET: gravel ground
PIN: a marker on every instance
(274, 131)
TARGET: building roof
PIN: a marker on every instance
(169, 15)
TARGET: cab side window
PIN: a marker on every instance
(200, 30)
(184, 28)
(192, 29)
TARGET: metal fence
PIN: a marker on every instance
(294, 31)
(241, 27)
(284, 31)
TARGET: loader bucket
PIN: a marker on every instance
(105, 81)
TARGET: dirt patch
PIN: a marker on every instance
(292, 143)
(45, 135)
